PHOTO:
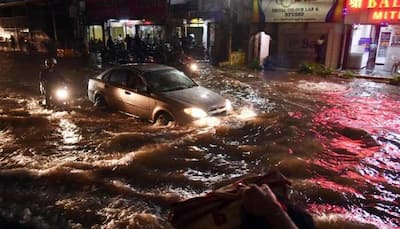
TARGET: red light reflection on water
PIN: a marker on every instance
(323, 183)
(319, 209)
(374, 169)
(370, 114)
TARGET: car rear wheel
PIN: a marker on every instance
(164, 119)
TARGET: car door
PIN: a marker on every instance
(116, 88)
(135, 97)
(104, 87)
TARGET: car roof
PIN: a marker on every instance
(148, 67)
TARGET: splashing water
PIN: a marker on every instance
(338, 142)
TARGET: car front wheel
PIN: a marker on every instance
(164, 119)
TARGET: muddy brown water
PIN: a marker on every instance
(337, 140)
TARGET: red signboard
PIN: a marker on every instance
(126, 9)
(378, 10)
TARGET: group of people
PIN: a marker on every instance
(129, 43)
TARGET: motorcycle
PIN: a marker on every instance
(188, 65)
(59, 97)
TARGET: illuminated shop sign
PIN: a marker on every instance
(299, 10)
(378, 10)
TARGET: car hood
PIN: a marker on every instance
(196, 96)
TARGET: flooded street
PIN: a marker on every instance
(337, 140)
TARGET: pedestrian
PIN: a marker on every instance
(148, 40)
(120, 39)
(110, 43)
(320, 49)
(21, 43)
(13, 42)
(128, 41)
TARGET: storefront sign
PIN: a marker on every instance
(302, 10)
(377, 10)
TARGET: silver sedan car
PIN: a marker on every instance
(155, 92)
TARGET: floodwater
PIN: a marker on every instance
(338, 141)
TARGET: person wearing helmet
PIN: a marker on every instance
(48, 79)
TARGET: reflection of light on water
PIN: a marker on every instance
(183, 192)
(361, 159)
(205, 177)
(5, 137)
(246, 114)
(23, 160)
(327, 214)
(69, 132)
(209, 177)
(208, 122)
(34, 107)
(321, 86)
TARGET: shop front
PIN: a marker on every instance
(304, 31)
(146, 30)
(197, 28)
(373, 35)
(116, 19)
(13, 28)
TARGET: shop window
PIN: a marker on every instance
(116, 31)
(95, 32)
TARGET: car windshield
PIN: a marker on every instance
(170, 80)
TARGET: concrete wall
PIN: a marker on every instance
(295, 43)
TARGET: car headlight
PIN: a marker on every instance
(228, 105)
(196, 112)
(193, 67)
(62, 93)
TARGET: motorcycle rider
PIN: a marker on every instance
(49, 78)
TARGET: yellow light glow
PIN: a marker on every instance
(208, 122)
(196, 112)
(197, 21)
(194, 67)
(62, 94)
(5, 34)
(247, 113)
(228, 105)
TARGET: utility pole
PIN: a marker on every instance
(53, 19)
(168, 20)
(230, 27)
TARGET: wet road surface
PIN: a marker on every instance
(337, 140)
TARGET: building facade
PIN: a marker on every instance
(36, 21)
(372, 35)
(304, 31)
(111, 19)
(219, 27)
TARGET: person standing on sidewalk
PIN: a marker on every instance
(320, 49)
